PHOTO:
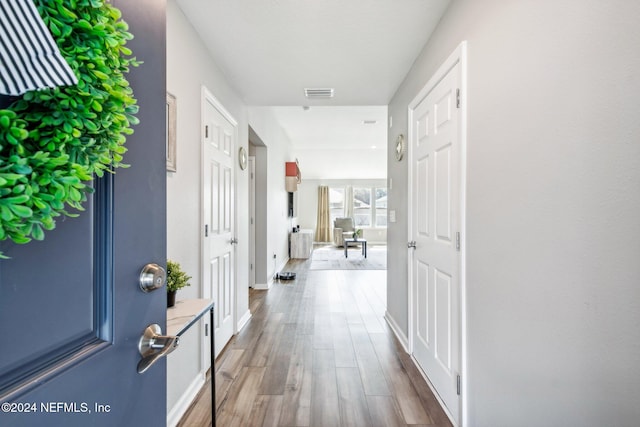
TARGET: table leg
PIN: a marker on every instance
(213, 370)
(345, 249)
(364, 249)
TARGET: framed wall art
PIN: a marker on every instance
(172, 162)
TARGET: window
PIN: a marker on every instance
(336, 203)
(380, 207)
(369, 205)
(362, 207)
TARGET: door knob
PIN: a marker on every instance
(153, 346)
(152, 277)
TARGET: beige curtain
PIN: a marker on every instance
(323, 227)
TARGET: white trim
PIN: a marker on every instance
(244, 320)
(252, 221)
(206, 94)
(182, 405)
(263, 286)
(397, 331)
(203, 292)
(463, 239)
(266, 286)
(459, 55)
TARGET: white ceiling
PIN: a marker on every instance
(271, 50)
(335, 128)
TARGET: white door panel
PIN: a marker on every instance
(435, 220)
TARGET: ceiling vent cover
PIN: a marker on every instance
(318, 92)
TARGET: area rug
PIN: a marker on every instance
(332, 258)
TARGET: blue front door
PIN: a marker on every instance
(71, 310)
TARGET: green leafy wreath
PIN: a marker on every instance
(54, 141)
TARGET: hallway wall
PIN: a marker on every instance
(275, 216)
(553, 237)
(189, 67)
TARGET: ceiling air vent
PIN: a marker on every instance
(318, 92)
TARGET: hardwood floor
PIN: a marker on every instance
(317, 352)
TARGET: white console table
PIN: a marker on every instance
(301, 244)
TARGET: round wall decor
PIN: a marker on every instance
(242, 158)
(400, 147)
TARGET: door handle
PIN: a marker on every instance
(233, 241)
(152, 346)
(411, 244)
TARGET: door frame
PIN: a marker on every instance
(252, 221)
(459, 55)
(207, 96)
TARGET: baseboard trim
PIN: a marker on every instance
(267, 286)
(404, 341)
(244, 320)
(282, 265)
(182, 405)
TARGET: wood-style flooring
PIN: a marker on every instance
(317, 352)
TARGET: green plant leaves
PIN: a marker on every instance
(176, 277)
(53, 142)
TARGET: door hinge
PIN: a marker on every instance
(458, 385)
(251, 221)
(251, 266)
(206, 330)
(457, 98)
(458, 241)
(206, 131)
(206, 230)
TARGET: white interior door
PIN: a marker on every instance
(252, 221)
(219, 141)
(435, 223)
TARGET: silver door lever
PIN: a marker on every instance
(411, 244)
(152, 346)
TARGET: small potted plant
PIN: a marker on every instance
(357, 233)
(176, 279)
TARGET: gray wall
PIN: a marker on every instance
(262, 225)
(553, 201)
(277, 224)
(189, 67)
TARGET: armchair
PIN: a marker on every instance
(342, 228)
